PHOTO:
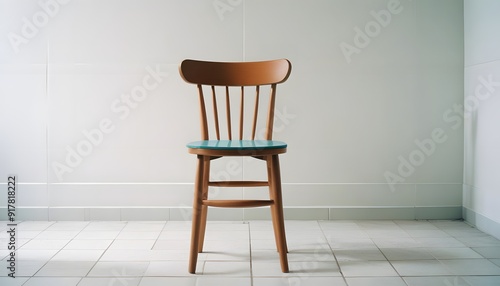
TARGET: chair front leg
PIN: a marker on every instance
(277, 209)
(197, 214)
(204, 209)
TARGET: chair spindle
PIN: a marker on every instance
(216, 114)
(203, 114)
(270, 115)
(242, 107)
(228, 114)
(256, 111)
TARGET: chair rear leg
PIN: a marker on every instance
(197, 215)
(277, 211)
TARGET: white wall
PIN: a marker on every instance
(482, 102)
(364, 111)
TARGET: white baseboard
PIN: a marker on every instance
(482, 223)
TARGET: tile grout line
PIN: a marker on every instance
(250, 250)
(333, 253)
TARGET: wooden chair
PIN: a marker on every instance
(223, 75)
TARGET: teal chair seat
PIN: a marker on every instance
(236, 144)
(237, 147)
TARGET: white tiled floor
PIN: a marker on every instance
(353, 253)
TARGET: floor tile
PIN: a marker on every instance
(338, 225)
(305, 280)
(496, 261)
(366, 268)
(313, 268)
(438, 242)
(110, 281)
(53, 281)
(272, 281)
(68, 225)
(171, 268)
(88, 244)
(438, 281)
(144, 226)
(483, 280)
(227, 268)
(375, 281)
(355, 233)
(307, 246)
(427, 233)
(262, 234)
(382, 233)
(471, 267)
(261, 256)
(178, 225)
(129, 244)
(420, 268)
(488, 251)
(308, 268)
(28, 234)
(319, 254)
(479, 241)
(175, 235)
(138, 235)
(119, 269)
(220, 245)
(409, 225)
(466, 231)
(9, 281)
(268, 269)
(359, 254)
(65, 268)
(315, 235)
(34, 225)
(227, 235)
(223, 281)
(301, 225)
(368, 252)
(163, 281)
(105, 226)
(169, 255)
(453, 253)
(174, 244)
(395, 242)
(338, 243)
(58, 234)
(406, 253)
(88, 234)
(35, 254)
(78, 255)
(378, 224)
(45, 244)
(129, 255)
(220, 225)
(233, 255)
(263, 244)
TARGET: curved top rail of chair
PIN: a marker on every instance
(235, 73)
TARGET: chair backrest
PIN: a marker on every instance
(227, 75)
